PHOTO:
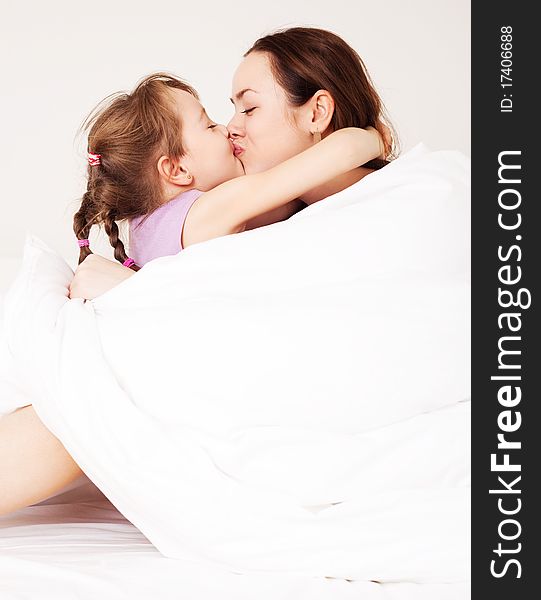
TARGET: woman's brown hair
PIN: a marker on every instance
(130, 131)
(305, 59)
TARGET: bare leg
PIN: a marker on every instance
(33, 462)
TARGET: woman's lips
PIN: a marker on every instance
(237, 150)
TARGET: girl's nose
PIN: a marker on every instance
(223, 130)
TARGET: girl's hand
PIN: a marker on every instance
(387, 138)
(380, 140)
(97, 275)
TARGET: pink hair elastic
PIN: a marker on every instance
(128, 262)
(94, 159)
(83, 243)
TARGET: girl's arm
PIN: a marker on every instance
(228, 207)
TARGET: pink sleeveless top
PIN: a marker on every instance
(161, 233)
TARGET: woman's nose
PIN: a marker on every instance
(234, 127)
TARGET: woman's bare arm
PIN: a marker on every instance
(33, 463)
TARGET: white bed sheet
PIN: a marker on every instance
(77, 545)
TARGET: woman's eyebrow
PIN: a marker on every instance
(239, 95)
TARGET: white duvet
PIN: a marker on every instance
(287, 399)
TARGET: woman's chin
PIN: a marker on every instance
(240, 170)
(251, 168)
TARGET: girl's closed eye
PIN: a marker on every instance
(248, 110)
(212, 126)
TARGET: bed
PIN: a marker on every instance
(78, 544)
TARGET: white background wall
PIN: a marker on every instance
(60, 57)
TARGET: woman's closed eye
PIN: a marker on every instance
(212, 126)
(248, 110)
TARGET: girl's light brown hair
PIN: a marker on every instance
(304, 60)
(130, 131)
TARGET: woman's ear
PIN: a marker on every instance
(321, 111)
(174, 171)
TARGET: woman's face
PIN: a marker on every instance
(263, 128)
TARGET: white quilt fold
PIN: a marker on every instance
(287, 399)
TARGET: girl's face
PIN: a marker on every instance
(263, 129)
(209, 154)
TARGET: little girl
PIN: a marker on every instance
(156, 159)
